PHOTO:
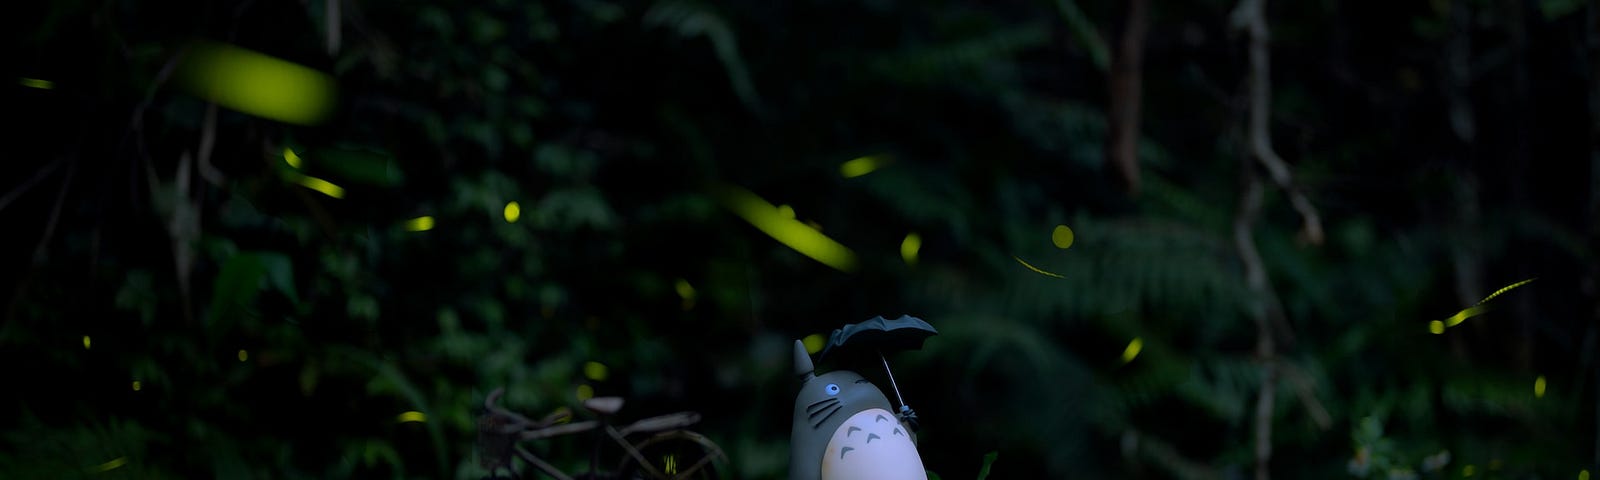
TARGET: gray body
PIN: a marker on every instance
(817, 413)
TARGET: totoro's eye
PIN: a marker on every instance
(832, 389)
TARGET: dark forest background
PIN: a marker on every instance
(1275, 202)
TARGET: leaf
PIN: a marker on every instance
(362, 306)
(573, 208)
(988, 461)
(374, 451)
(111, 448)
(280, 273)
(1083, 31)
(692, 19)
(236, 286)
(390, 378)
(138, 295)
(308, 379)
(1554, 9)
(565, 162)
(962, 60)
(357, 164)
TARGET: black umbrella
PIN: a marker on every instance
(877, 335)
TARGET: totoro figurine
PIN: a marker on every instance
(845, 429)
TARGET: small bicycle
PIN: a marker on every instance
(666, 452)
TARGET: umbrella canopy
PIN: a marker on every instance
(878, 335)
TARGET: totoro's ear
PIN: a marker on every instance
(802, 362)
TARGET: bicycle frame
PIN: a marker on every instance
(513, 428)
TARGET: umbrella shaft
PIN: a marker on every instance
(892, 384)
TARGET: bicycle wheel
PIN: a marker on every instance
(678, 454)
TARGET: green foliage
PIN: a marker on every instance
(279, 332)
(691, 19)
(988, 461)
(111, 449)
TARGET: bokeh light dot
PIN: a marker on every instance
(1062, 236)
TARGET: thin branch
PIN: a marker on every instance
(1466, 253)
(1125, 80)
(1256, 282)
(1136, 444)
(55, 213)
(135, 128)
(39, 250)
(1251, 17)
(1307, 391)
(28, 185)
(1264, 307)
(208, 143)
(332, 20)
(378, 47)
(183, 225)
(1264, 402)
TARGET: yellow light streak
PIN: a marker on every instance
(412, 416)
(814, 343)
(910, 247)
(258, 84)
(114, 464)
(292, 158)
(419, 224)
(320, 185)
(861, 166)
(1507, 288)
(788, 231)
(595, 371)
(1479, 308)
(685, 292)
(1035, 269)
(1132, 352)
(36, 83)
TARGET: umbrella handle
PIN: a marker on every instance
(906, 414)
(910, 418)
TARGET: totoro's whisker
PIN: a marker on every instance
(820, 405)
(825, 411)
(825, 406)
(829, 413)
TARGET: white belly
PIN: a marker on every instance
(872, 445)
